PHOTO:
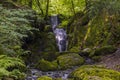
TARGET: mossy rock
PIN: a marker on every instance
(85, 52)
(44, 78)
(50, 56)
(46, 65)
(57, 79)
(103, 50)
(94, 73)
(75, 49)
(48, 28)
(68, 60)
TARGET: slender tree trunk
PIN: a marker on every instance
(87, 4)
(73, 6)
(30, 3)
(47, 9)
(39, 5)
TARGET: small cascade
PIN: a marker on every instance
(60, 34)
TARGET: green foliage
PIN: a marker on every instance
(50, 42)
(95, 7)
(98, 26)
(65, 6)
(14, 27)
(11, 67)
(94, 73)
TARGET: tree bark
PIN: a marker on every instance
(30, 3)
(73, 6)
(47, 9)
(39, 5)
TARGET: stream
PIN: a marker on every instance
(61, 41)
(33, 74)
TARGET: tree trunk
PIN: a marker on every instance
(39, 5)
(73, 6)
(30, 3)
(47, 9)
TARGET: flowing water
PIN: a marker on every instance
(33, 74)
(61, 39)
(60, 34)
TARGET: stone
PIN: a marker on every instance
(92, 72)
(69, 60)
(44, 78)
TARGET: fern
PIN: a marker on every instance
(15, 25)
(10, 66)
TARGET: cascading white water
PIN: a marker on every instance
(60, 34)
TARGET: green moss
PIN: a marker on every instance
(48, 28)
(68, 60)
(74, 49)
(57, 79)
(44, 78)
(94, 73)
(46, 65)
(50, 42)
(85, 52)
(103, 50)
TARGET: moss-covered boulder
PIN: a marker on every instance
(44, 78)
(105, 50)
(46, 65)
(97, 53)
(68, 60)
(94, 73)
(85, 52)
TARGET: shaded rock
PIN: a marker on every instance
(111, 61)
(68, 60)
(46, 65)
(103, 50)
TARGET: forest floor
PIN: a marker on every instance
(111, 61)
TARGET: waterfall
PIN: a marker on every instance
(60, 34)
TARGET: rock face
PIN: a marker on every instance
(94, 73)
(112, 61)
(68, 60)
